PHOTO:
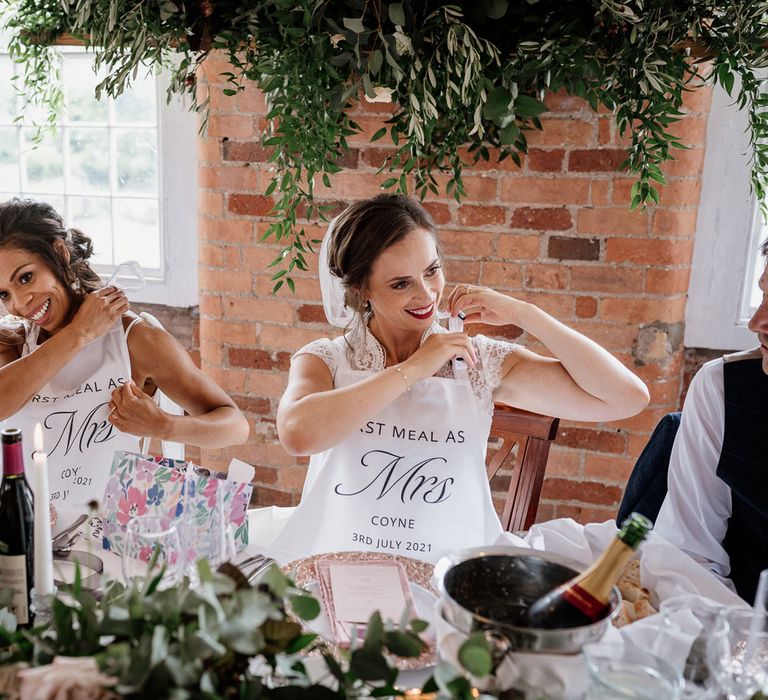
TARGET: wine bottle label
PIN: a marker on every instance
(13, 574)
(587, 603)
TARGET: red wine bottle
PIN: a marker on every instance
(17, 558)
(586, 598)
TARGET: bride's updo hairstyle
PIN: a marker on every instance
(36, 227)
(362, 232)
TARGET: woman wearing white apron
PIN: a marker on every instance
(78, 362)
(396, 427)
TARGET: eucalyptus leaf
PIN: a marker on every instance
(418, 626)
(498, 104)
(7, 620)
(280, 631)
(354, 24)
(305, 606)
(375, 61)
(202, 645)
(159, 644)
(242, 637)
(374, 634)
(404, 645)
(277, 581)
(369, 665)
(510, 133)
(379, 134)
(495, 9)
(475, 655)
(334, 667)
(396, 13)
(527, 106)
(300, 642)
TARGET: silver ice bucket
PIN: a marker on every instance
(488, 589)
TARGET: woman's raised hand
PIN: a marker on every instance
(98, 313)
(436, 350)
(484, 305)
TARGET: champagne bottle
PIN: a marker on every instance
(17, 561)
(586, 598)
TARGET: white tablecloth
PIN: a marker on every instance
(664, 570)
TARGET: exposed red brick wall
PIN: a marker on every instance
(557, 232)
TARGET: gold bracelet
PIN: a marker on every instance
(404, 376)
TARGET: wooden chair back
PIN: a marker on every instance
(533, 434)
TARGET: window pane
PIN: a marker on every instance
(137, 161)
(55, 201)
(43, 170)
(34, 115)
(91, 215)
(136, 231)
(7, 92)
(100, 171)
(79, 91)
(137, 105)
(89, 160)
(9, 158)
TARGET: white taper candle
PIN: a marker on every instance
(43, 547)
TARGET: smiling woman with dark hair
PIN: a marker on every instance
(396, 413)
(76, 360)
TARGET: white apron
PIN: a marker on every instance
(73, 409)
(411, 482)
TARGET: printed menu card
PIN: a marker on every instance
(352, 591)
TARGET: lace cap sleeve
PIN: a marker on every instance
(492, 354)
(325, 349)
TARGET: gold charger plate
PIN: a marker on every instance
(417, 572)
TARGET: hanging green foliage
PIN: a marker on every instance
(470, 74)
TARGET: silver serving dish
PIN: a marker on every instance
(487, 589)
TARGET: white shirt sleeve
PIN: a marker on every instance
(695, 512)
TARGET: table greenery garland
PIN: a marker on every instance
(469, 74)
(222, 639)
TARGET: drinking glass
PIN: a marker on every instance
(686, 624)
(206, 532)
(737, 651)
(152, 545)
(622, 672)
(761, 597)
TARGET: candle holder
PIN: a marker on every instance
(41, 606)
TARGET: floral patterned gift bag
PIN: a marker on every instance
(145, 485)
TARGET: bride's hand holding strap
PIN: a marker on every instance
(436, 351)
(484, 305)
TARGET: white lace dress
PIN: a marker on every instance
(366, 353)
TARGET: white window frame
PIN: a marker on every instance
(177, 163)
(728, 234)
(177, 283)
